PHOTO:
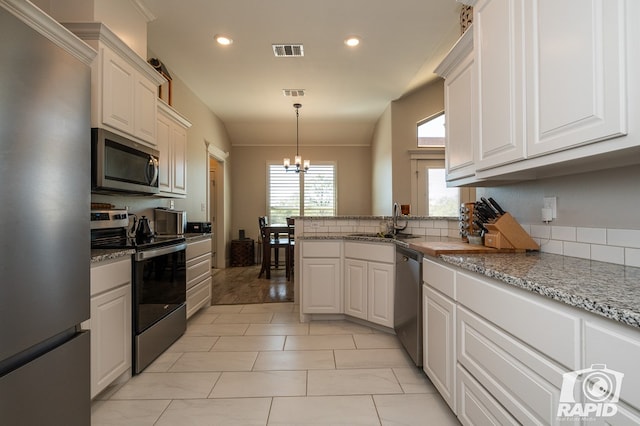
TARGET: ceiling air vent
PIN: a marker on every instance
(293, 92)
(287, 50)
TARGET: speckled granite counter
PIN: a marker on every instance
(100, 255)
(606, 289)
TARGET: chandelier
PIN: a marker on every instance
(300, 165)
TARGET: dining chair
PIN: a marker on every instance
(269, 242)
(290, 247)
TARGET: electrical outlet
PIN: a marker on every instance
(552, 203)
(171, 204)
(315, 224)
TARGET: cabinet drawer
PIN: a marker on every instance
(198, 296)
(617, 347)
(321, 249)
(108, 275)
(198, 248)
(439, 277)
(523, 381)
(370, 252)
(476, 406)
(527, 316)
(198, 269)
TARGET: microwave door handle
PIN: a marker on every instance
(153, 168)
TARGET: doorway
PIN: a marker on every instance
(213, 202)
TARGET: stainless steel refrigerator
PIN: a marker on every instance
(44, 226)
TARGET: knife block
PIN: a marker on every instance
(506, 232)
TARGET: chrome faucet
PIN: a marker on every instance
(396, 214)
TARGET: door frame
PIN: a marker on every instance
(219, 225)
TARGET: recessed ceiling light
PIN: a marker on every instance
(223, 39)
(352, 41)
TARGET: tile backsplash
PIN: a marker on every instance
(620, 246)
(345, 225)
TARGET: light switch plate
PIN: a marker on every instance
(552, 203)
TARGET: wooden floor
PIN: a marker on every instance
(241, 286)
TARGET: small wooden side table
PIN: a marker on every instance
(242, 252)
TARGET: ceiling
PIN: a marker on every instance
(346, 89)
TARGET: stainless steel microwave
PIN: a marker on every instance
(119, 164)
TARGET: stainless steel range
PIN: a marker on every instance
(158, 281)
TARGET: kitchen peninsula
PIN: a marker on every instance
(500, 330)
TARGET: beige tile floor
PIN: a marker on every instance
(258, 365)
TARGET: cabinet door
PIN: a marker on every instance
(179, 160)
(613, 347)
(439, 343)
(461, 123)
(321, 286)
(498, 46)
(198, 296)
(110, 337)
(117, 92)
(575, 60)
(163, 138)
(380, 277)
(145, 109)
(355, 288)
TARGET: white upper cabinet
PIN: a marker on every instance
(575, 57)
(172, 144)
(553, 89)
(124, 87)
(460, 111)
(499, 60)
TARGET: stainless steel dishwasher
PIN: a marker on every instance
(407, 317)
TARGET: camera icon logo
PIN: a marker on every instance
(590, 392)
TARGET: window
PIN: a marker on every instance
(431, 131)
(304, 194)
(430, 195)
(443, 201)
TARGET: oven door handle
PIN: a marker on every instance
(151, 253)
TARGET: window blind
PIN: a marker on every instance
(284, 194)
(319, 191)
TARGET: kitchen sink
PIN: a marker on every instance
(388, 236)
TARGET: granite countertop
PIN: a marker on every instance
(606, 289)
(100, 255)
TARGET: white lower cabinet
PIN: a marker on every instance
(439, 329)
(369, 282)
(500, 355)
(198, 275)
(355, 288)
(110, 323)
(321, 277)
(439, 323)
(610, 350)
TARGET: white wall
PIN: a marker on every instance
(249, 176)
(406, 113)
(382, 167)
(395, 135)
(121, 16)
